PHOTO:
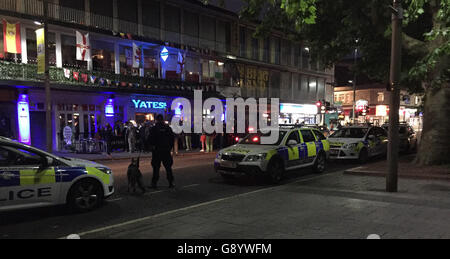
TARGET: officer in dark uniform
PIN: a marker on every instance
(161, 138)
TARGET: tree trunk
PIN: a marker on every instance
(434, 148)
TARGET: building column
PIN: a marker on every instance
(87, 12)
(20, 6)
(58, 50)
(162, 35)
(182, 26)
(139, 16)
(115, 16)
(117, 58)
(23, 43)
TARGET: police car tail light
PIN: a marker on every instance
(255, 139)
(236, 139)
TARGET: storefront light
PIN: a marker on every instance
(23, 114)
(109, 108)
(164, 54)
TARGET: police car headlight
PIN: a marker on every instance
(350, 146)
(255, 158)
(105, 170)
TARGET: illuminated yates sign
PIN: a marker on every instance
(139, 104)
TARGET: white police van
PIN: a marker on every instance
(31, 178)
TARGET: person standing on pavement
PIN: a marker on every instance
(162, 140)
(108, 137)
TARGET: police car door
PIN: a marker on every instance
(309, 142)
(293, 150)
(25, 181)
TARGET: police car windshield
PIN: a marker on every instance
(350, 133)
(255, 138)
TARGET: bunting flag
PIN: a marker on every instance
(137, 56)
(93, 79)
(84, 77)
(123, 84)
(67, 73)
(83, 47)
(181, 62)
(108, 82)
(11, 38)
(76, 75)
(101, 81)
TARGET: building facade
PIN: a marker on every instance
(178, 46)
(377, 98)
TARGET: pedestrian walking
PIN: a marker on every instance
(132, 137)
(210, 142)
(161, 139)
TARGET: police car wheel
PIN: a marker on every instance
(363, 156)
(320, 164)
(275, 170)
(85, 195)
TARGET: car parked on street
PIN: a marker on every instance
(407, 137)
(31, 178)
(296, 148)
(358, 142)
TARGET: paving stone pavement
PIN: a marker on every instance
(329, 206)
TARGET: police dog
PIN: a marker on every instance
(135, 176)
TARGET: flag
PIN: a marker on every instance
(11, 37)
(84, 77)
(83, 47)
(123, 84)
(137, 56)
(40, 45)
(93, 79)
(76, 75)
(67, 73)
(101, 81)
(181, 62)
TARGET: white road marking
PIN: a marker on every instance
(114, 200)
(194, 206)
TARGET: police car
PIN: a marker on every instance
(295, 148)
(32, 178)
(358, 142)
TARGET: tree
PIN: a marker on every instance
(331, 29)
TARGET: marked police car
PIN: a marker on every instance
(295, 148)
(358, 142)
(32, 178)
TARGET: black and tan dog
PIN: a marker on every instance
(135, 176)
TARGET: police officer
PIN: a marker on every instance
(161, 139)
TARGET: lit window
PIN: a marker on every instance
(380, 97)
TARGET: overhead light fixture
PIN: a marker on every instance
(231, 57)
(350, 81)
(307, 49)
(37, 23)
(220, 63)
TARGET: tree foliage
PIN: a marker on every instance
(333, 29)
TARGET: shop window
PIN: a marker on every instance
(172, 18)
(380, 97)
(69, 53)
(103, 56)
(266, 50)
(150, 63)
(243, 42)
(127, 10)
(126, 61)
(275, 50)
(151, 11)
(255, 48)
(192, 69)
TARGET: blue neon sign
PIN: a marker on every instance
(164, 54)
(139, 104)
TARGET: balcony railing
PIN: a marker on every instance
(28, 72)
